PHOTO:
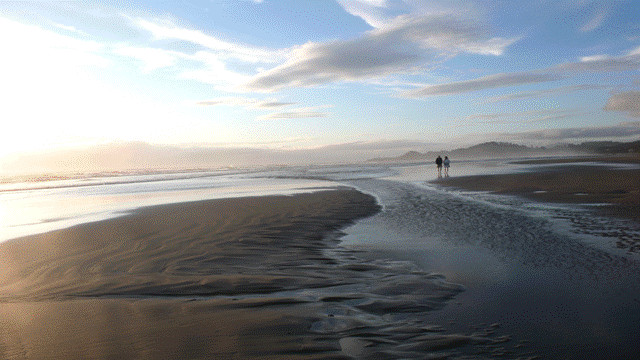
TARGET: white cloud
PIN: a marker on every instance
(403, 45)
(597, 63)
(224, 49)
(71, 29)
(151, 58)
(28, 44)
(213, 71)
(216, 62)
(627, 102)
(371, 11)
(244, 102)
(634, 52)
(299, 113)
(545, 92)
(603, 63)
(486, 82)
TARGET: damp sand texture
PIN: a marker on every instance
(240, 278)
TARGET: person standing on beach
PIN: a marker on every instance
(439, 165)
(446, 163)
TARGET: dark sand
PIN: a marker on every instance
(566, 181)
(246, 278)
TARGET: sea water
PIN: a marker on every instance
(48, 203)
(33, 207)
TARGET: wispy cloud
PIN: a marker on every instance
(402, 45)
(601, 11)
(69, 28)
(253, 103)
(622, 130)
(598, 63)
(245, 102)
(524, 117)
(545, 92)
(165, 30)
(151, 59)
(603, 63)
(299, 113)
(371, 11)
(486, 82)
(627, 102)
(222, 63)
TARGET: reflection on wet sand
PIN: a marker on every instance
(236, 278)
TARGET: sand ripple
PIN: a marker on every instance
(244, 278)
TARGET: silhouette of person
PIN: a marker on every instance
(439, 165)
(446, 163)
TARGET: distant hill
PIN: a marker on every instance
(495, 149)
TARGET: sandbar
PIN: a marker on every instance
(246, 278)
(617, 189)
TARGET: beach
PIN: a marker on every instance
(352, 262)
(612, 191)
(187, 280)
(253, 277)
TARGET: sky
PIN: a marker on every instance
(383, 75)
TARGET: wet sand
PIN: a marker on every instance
(567, 181)
(245, 278)
(559, 292)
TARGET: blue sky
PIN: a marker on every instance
(386, 75)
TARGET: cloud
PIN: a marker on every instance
(33, 43)
(403, 45)
(597, 63)
(601, 11)
(390, 146)
(71, 29)
(225, 49)
(520, 117)
(622, 130)
(300, 113)
(603, 63)
(151, 58)
(213, 61)
(486, 82)
(371, 11)
(245, 102)
(545, 92)
(627, 102)
(595, 22)
(213, 70)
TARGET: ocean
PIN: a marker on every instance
(47, 203)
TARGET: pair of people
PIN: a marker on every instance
(439, 163)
